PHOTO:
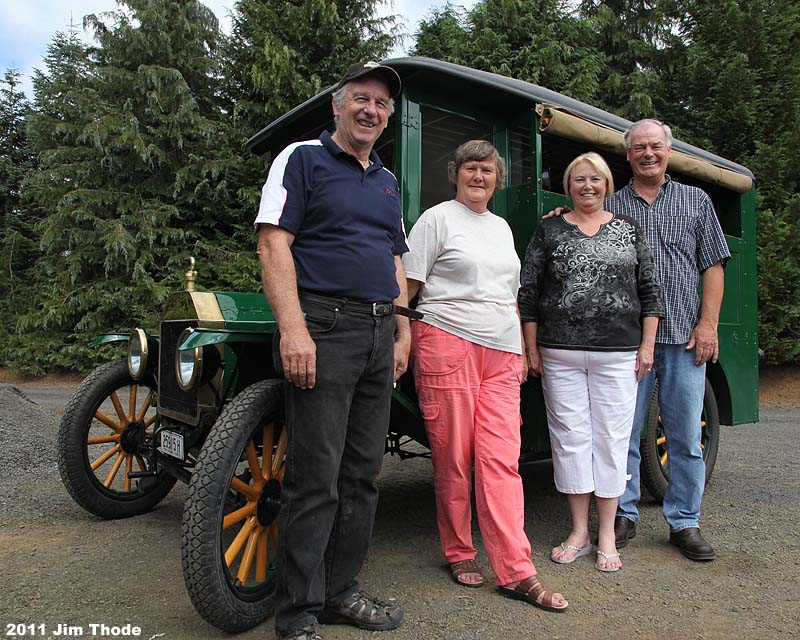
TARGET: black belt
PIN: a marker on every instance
(367, 308)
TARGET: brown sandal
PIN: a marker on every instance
(533, 591)
(458, 569)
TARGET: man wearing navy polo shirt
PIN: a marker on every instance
(330, 240)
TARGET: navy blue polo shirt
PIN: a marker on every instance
(346, 220)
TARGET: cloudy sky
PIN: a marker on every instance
(27, 26)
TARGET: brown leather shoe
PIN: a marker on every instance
(691, 544)
(624, 530)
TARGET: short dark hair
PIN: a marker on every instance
(477, 150)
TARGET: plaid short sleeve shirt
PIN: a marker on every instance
(685, 236)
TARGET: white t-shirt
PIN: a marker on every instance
(470, 274)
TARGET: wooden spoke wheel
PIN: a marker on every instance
(101, 440)
(230, 529)
(653, 446)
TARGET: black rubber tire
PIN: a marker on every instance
(653, 474)
(74, 454)
(215, 592)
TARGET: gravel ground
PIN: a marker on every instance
(64, 567)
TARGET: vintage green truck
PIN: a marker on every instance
(198, 399)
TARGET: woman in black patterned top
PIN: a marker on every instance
(590, 303)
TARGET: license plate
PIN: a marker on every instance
(171, 444)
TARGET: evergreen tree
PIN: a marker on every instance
(538, 41)
(442, 35)
(15, 157)
(17, 243)
(281, 53)
(629, 34)
(737, 74)
(131, 171)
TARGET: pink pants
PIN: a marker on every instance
(469, 397)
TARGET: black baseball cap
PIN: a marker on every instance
(360, 69)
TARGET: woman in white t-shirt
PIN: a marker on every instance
(468, 367)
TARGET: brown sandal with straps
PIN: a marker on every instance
(533, 591)
(458, 569)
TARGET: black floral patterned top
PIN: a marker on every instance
(589, 292)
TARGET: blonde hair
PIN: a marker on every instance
(477, 150)
(599, 165)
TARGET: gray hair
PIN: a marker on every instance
(640, 123)
(341, 93)
(477, 150)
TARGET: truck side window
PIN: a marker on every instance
(520, 170)
(442, 133)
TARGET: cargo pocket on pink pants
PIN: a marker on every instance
(437, 433)
(436, 352)
(430, 411)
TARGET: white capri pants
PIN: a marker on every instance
(590, 398)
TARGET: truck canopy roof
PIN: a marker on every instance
(494, 93)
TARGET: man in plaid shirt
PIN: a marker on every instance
(682, 229)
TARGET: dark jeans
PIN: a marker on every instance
(337, 433)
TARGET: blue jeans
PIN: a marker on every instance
(681, 387)
(337, 437)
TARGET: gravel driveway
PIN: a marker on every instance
(64, 567)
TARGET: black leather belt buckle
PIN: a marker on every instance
(382, 308)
